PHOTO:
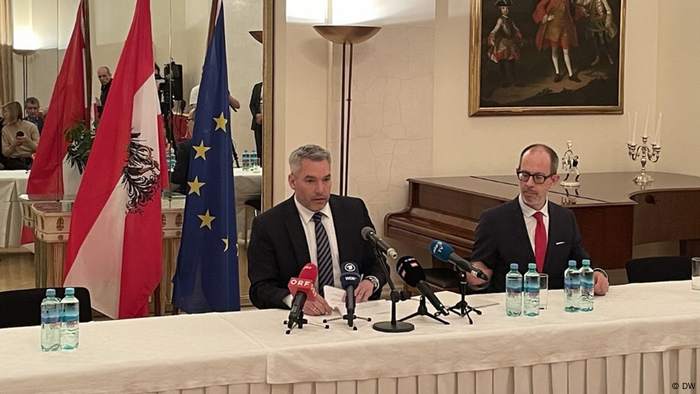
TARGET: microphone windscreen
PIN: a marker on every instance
(309, 271)
(366, 232)
(441, 250)
(410, 270)
(349, 275)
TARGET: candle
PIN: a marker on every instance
(634, 130)
(657, 135)
(629, 127)
(646, 124)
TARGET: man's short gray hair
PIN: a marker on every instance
(310, 152)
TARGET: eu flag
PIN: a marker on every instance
(206, 278)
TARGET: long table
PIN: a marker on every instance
(12, 184)
(641, 338)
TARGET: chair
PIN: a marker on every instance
(658, 269)
(256, 203)
(20, 308)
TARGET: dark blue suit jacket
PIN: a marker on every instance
(278, 248)
(501, 239)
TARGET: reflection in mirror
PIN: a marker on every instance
(179, 37)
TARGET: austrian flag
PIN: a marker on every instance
(114, 244)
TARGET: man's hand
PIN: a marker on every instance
(364, 290)
(600, 283)
(258, 118)
(317, 307)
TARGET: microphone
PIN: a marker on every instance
(368, 234)
(349, 279)
(412, 273)
(303, 289)
(444, 252)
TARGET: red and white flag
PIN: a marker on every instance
(114, 244)
(51, 175)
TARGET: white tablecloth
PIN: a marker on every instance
(12, 184)
(639, 339)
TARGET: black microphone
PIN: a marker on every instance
(349, 279)
(444, 252)
(368, 234)
(412, 273)
(302, 288)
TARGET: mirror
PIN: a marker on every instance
(180, 30)
(179, 35)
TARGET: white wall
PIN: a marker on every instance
(410, 101)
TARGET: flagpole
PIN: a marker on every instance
(212, 19)
(88, 62)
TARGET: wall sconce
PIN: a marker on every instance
(348, 36)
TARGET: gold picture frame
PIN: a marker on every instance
(512, 63)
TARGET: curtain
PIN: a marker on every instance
(6, 79)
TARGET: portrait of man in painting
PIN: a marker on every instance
(546, 56)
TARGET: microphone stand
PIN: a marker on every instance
(299, 323)
(396, 296)
(350, 319)
(423, 311)
(462, 308)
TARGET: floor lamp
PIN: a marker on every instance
(24, 53)
(348, 36)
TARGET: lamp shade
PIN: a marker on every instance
(347, 34)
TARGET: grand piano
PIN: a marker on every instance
(614, 214)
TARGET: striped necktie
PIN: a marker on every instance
(323, 254)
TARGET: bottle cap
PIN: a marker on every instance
(586, 262)
(514, 266)
(532, 266)
(50, 292)
(572, 263)
(70, 291)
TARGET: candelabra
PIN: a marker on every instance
(644, 153)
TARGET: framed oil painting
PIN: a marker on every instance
(537, 57)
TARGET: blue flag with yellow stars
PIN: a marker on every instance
(206, 278)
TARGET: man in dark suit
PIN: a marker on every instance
(286, 237)
(508, 233)
(255, 106)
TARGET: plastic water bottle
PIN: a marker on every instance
(246, 160)
(572, 288)
(50, 322)
(587, 283)
(253, 160)
(514, 291)
(171, 159)
(531, 302)
(70, 314)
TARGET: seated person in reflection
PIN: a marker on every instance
(284, 238)
(182, 158)
(31, 106)
(531, 229)
(20, 138)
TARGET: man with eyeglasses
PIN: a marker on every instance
(531, 229)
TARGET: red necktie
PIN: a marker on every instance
(540, 241)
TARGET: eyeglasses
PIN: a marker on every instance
(537, 177)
